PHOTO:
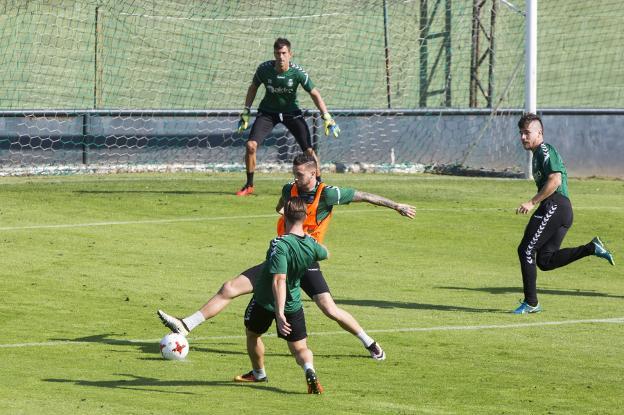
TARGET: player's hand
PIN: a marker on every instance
(406, 210)
(525, 208)
(282, 325)
(243, 123)
(330, 125)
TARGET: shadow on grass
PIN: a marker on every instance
(147, 384)
(143, 346)
(416, 306)
(518, 290)
(156, 192)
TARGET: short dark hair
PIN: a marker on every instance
(304, 158)
(528, 118)
(280, 42)
(295, 210)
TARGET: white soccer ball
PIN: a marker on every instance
(174, 346)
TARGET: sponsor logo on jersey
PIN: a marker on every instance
(279, 90)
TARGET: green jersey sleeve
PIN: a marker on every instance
(261, 74)
(278, 261)
(553, 163)
(286, 190)
(321, 252)
(304, 79)
(338, 195)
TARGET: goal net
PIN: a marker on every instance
(157, 85)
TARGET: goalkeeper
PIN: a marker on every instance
(280, 78)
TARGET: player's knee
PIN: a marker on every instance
(526, 253)
(327, 305)
(544, 263)
(251, 146)
(229, 290)
(310, 151)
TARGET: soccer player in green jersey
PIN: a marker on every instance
(540, 246)
(322, 199)
(280, 78)
(277, 296)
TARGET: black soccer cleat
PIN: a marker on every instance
(314, 386)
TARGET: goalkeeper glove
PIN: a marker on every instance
(330, 125)
(243, 123)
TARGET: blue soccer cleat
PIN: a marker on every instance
(525, 308)
(601, 251)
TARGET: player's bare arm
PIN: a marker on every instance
(318, 100)
(403, 209)
(279, 294)
(553, 182)
(251, 95)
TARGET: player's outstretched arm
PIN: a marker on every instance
(403, 209)
(328, 121)
(243, 122)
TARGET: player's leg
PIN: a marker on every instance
(545, 225)
(296, 124)
(257, 322)
(298, 346)
(243, 284)
(262, 126)
(550, 256)
(315, 286)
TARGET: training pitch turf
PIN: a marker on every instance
(87, 260)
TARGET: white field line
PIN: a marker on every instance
(153, 221)
(219, 218)
(613, 320)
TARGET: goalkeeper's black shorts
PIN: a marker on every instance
(294, 121)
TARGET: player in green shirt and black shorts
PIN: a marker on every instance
(281, 78)
(277, 296)
(540, 246)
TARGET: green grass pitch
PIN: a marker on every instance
(87, 260)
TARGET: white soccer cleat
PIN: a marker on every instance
(174, 324)
(376, 351)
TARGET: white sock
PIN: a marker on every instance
(308, 365)
(365, 339)
(259, 374)
(194, 320)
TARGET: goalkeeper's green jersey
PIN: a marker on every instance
(546, 160)
(291, 255)
(281, 88)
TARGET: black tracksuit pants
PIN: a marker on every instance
(542, 239)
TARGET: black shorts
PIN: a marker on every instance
(294, 121)
(312, 283)
(258, 319)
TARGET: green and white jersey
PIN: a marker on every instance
(331, 196)
(546, 160)
(291, 255)
(281, 88)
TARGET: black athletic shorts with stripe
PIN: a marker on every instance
(312, 283)
(294, 121)
(258, 320)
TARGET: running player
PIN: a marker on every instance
(277, 296)
(280, 78)
(321, 199)
(540, 246)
